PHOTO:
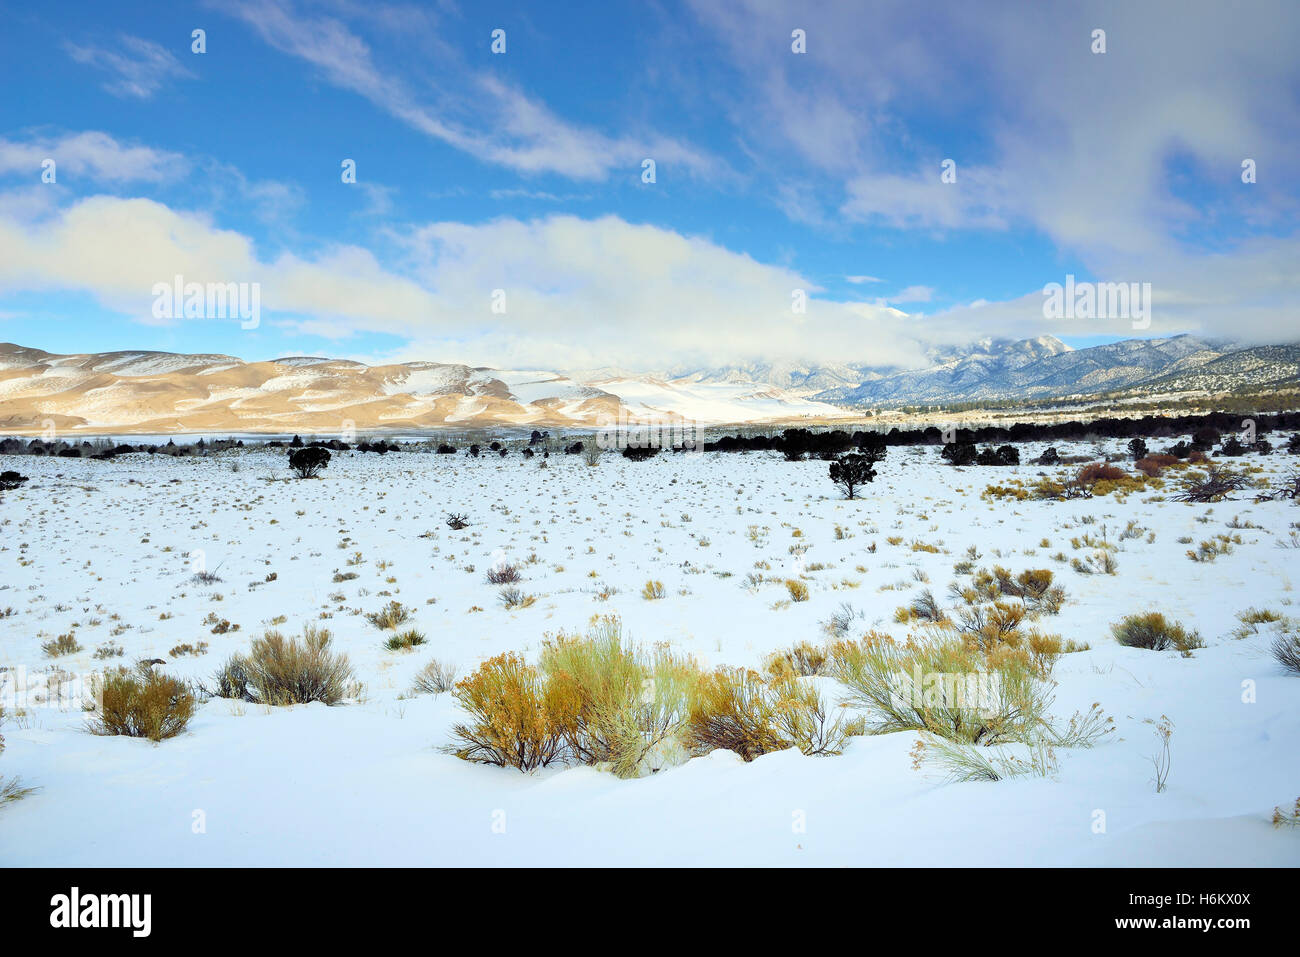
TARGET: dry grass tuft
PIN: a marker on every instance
(1153, 631)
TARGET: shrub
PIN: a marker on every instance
(143, 704)
(1049, 457)
(504, 575)
(640, 453)
(923, 608)
(1095, 472)
(404, 641)
(515, 722)
(797, 589)
(802, 719)
(280, 671)
(62, 645)
(1151, 630)
(624, 706)
(839, 623)
(309, 462)
(1152, 465)
(1211, 486)
(390, 616)
(1205, 437)
(959, 453)
(513, 597)
(802, 661)
(1287, 818)
(10, 480)
(988, 626)
(1288, 487)
(653, 590)
(1033, 586)
(733, 709)
(456, 521)
(942, 686)
(1006, 455)
(435, 678)
(1138, 449)
(178, 651)
(1286, 649)
(851, 472)
(11, 789)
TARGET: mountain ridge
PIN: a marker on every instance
(154, 391)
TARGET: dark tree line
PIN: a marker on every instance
(1206, 430)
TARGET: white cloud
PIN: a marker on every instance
(1127, 161)
(117, 249)
(92, 155)
(138, 67)
(912, 294)
(579, 293)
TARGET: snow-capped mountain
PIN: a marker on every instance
(1047, 367)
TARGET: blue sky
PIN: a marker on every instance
(776, 171)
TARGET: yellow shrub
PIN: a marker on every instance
(734, 709)
(797, 589)
(942, 686)
(143, 704)
(625, 703)
(515, 723)
(802, 660)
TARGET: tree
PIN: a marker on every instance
(959, 453)
(872, 445)
(851, 472)
(1008, 455)
(1203, 439)
(1138, 449)
(309, 462)
(1049, 456)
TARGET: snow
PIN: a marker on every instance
(106, 545)
(144, 364)
(708, 402)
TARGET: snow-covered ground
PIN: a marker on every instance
(109, 546)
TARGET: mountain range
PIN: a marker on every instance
(158, 392)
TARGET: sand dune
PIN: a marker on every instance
(158, 392)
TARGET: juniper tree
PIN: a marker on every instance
(851, 472)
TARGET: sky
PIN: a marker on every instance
(832, 182)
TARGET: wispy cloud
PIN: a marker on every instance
(137, 67)
(473, 111)
(91, 154)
